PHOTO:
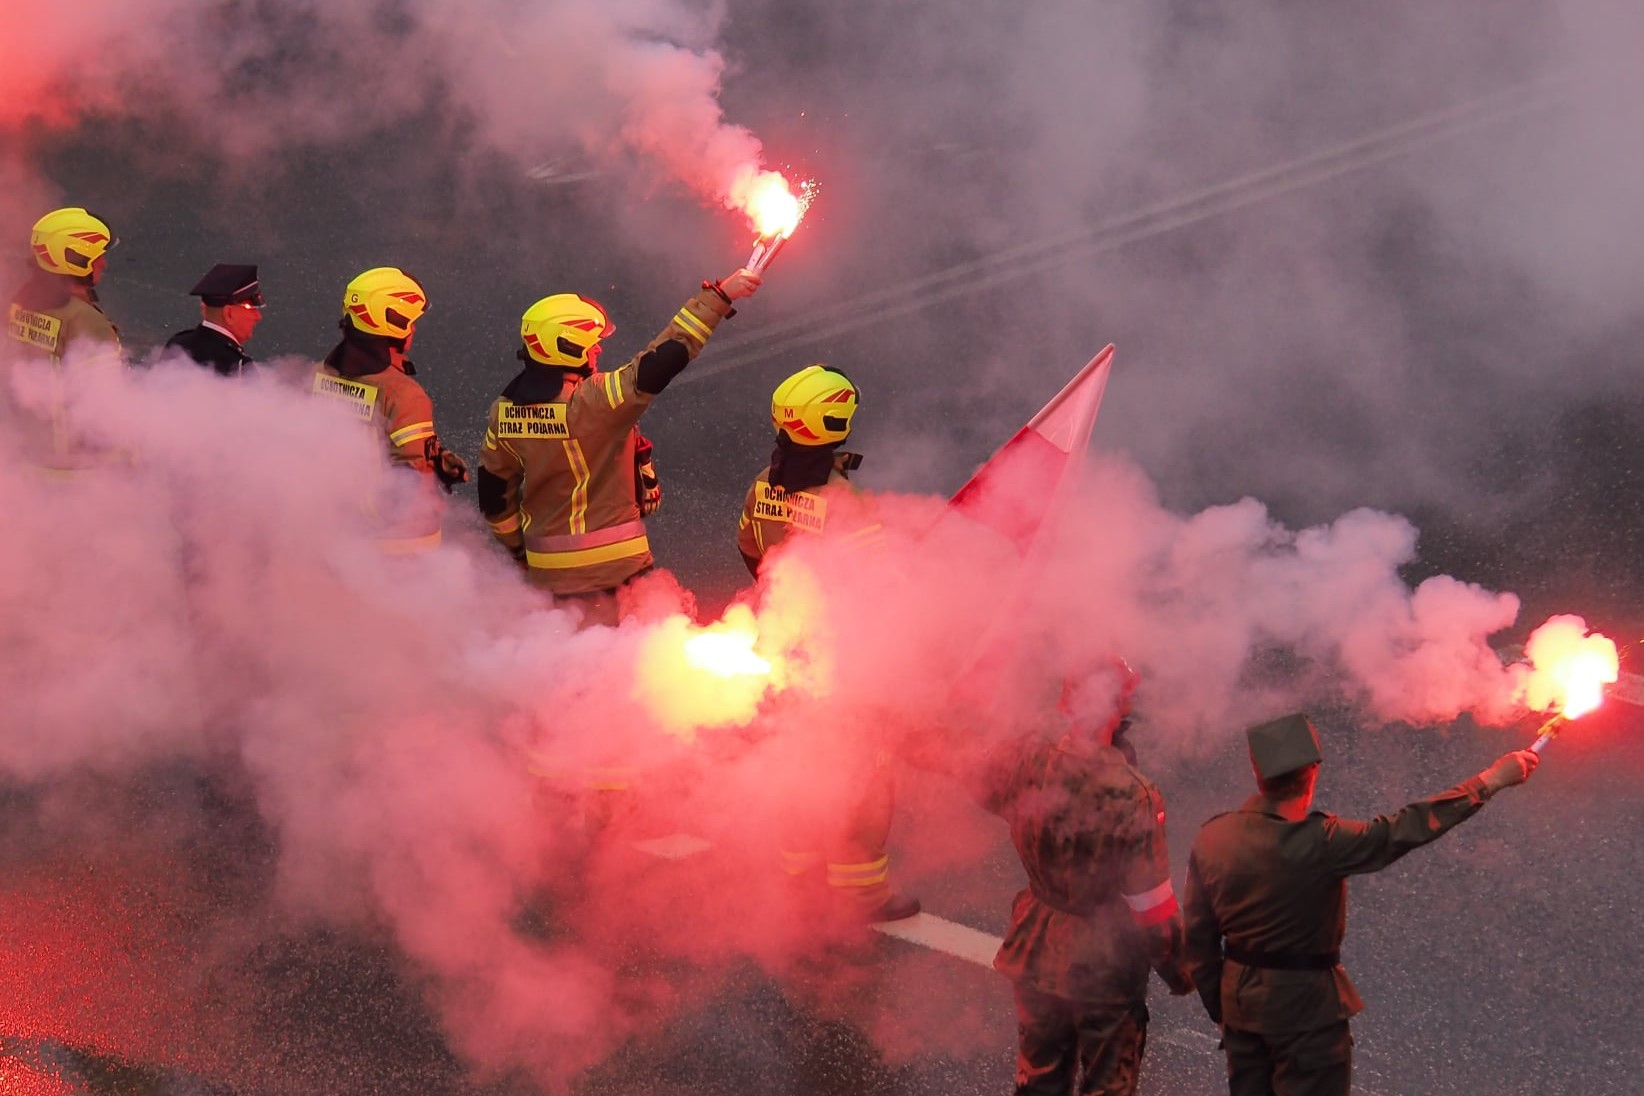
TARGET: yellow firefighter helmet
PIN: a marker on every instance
(385, 300)
(560, 330)
(814, 406)
(69, 241)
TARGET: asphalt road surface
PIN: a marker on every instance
(139, 958)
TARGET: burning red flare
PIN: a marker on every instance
(771, 204)
(773, 207)
(726, 654)
(1569, 667)
(693, 678)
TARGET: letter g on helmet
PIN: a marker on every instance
(69, 241)
(560, 330)
(386, 301)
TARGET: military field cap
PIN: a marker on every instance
(228, 283)
(1283, 745)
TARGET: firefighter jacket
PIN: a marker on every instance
(770, 514)
(1266, 905)
(1099, 911)
(558, 476)
(405, 506)
(48, 325)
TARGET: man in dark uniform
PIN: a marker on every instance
(1267, 909)
(1099, 912)
(231, 306)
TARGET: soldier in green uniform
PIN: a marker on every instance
(1099, 912)
(1266, 909)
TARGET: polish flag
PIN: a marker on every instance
(1019, 485)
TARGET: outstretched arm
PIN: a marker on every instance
(1357, 848)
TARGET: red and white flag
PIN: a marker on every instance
(1018, 487)
(1013, 494)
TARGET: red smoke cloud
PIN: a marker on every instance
(608, 80)
(207, 599)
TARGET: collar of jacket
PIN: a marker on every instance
(540, 383)
(43, 291)
(361, 357)
(800, 467)
(222, 333)
(1261, 804)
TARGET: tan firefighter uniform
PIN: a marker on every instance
(55, 323)
(559, 481)
(368, 375)
(845, 835)
(392, 404)
(770, 514)
(806, 487)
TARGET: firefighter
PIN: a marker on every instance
(806, 488)
(567, 478)
(231, 306)
(1266, 909)
(1099, 912)
(368, 373)
(55, 319)
(808, 474)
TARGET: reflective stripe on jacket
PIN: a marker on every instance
(562, 448)
(837, 508)
(68, 337)
(405, 511)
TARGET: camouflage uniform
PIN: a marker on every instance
(1099, 912)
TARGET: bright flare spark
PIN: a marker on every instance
(1569, 667)
(770, 203)
(692, 678)
(726, 654)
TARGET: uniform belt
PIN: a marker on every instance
(1282, 960)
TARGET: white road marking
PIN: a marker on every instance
(949, 937)
(676, 846)
(974, 946)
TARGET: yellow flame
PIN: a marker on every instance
(726, 654)
(691, 678)
(1569, 667)
(770, 203)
